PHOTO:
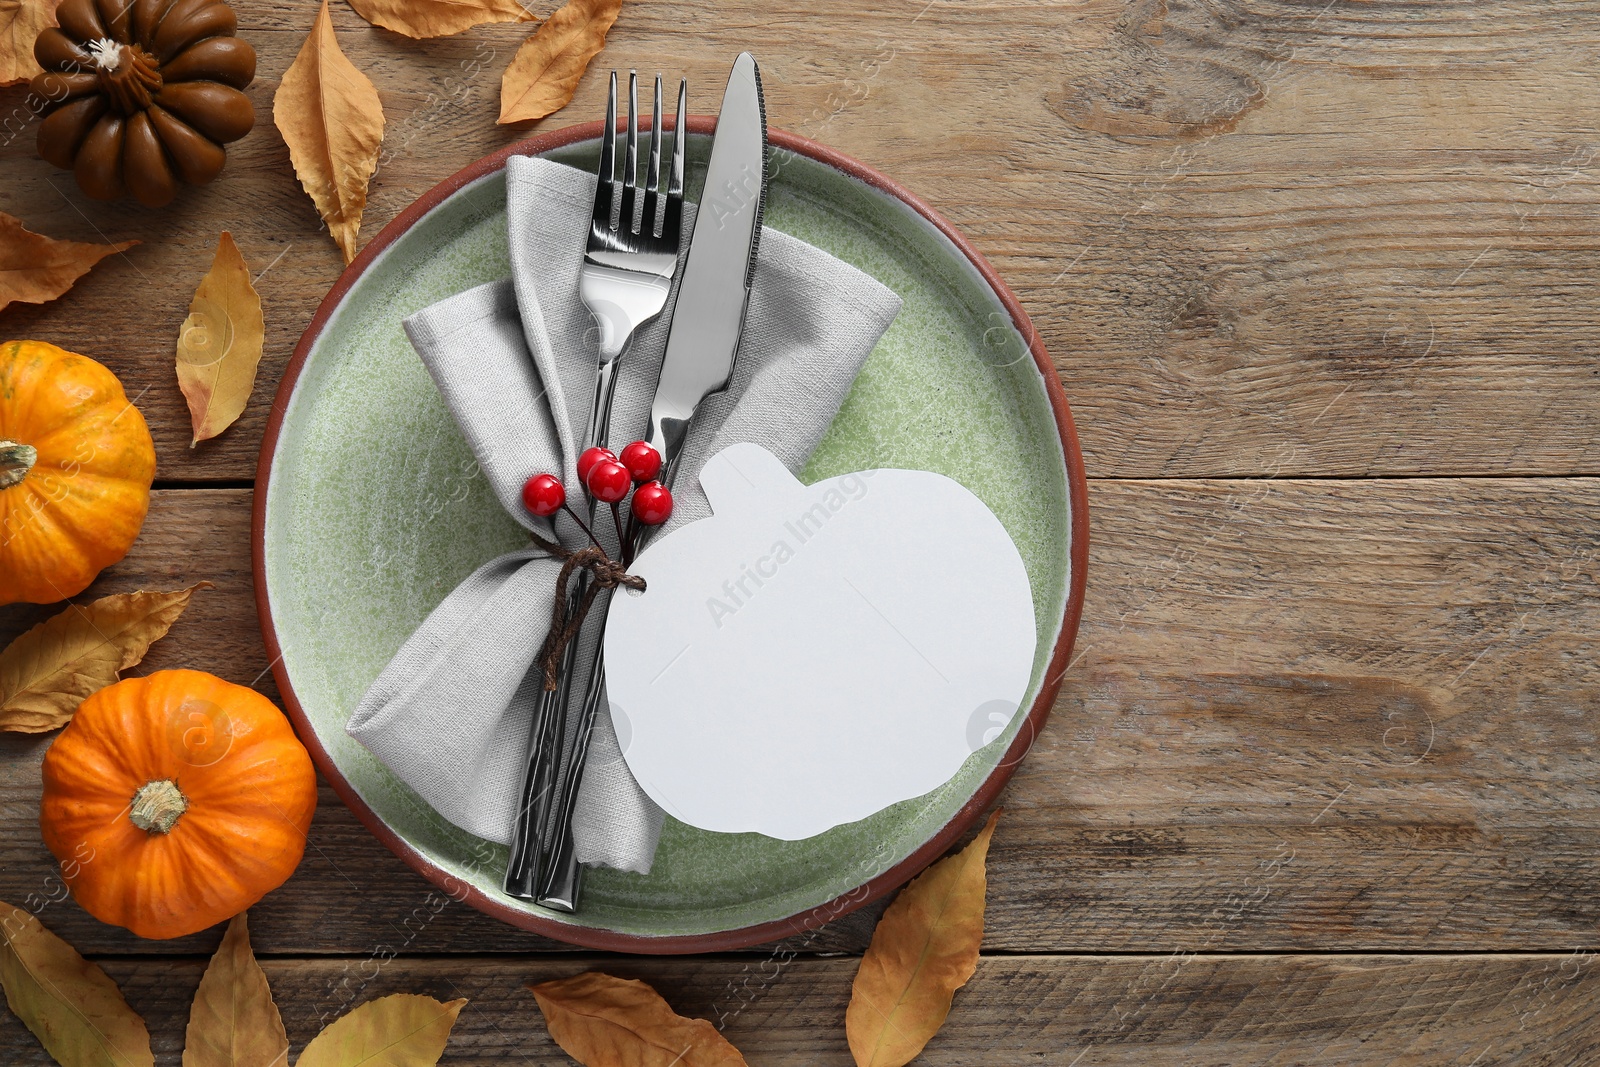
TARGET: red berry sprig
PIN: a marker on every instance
(609, 478)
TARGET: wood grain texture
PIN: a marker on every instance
(1302, 265)
(1132, 1011)
(1305, 715)
(1259, 236)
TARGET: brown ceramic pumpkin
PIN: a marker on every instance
(142, 94)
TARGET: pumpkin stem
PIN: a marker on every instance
(157, 805)
(128, 74)
(16, 460)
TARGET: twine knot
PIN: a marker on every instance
(604, 573)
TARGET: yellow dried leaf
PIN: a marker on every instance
(48, 671)
(544, 73)
(437, 18)
(220, 345)
(924, 949)
(233, 1021)
(20, 23)
(72, 1007)
(602, 1021)
(403, 1030)
(34, 268)
(332, 121)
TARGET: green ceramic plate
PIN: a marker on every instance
(368, 512)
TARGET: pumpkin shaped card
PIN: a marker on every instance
(810, 655)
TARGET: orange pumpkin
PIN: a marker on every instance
(76, 463)
(176, 801)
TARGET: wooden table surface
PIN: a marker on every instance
(1321, 278)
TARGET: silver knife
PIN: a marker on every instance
(709, 317)
(702, 344)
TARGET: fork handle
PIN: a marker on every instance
(561, 876)
(532, 830)
(605, 391)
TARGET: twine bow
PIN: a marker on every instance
(604, 573)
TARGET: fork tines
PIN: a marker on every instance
(662, 209)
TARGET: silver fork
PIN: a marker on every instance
(628, 265)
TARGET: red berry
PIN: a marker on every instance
(609, 481)
(590, 457)
(543, 494)
(652, 503)
(642, 461)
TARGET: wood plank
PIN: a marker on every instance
(1319, 714)
(1181, 1010)
(1273, 237)
(1305, 715)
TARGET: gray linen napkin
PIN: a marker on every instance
(514, 361)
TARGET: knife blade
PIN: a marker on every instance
(703, 341)
(702, 347)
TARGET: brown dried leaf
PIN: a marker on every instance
(48, 671)
(233, 1021)
(437, 18)
(35, 269)
(544, 73)
(602, 1021)
(332, 121)
(403, 1030)
(20, 23)
(72, 1007)
(220, 345)
(924, 949)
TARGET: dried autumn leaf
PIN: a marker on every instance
(48, 671)
(35, 269)
(924, 949)
(332, 121)
(72, 1007)
(220, 346)
(544, 73)
(602, 1021)
(403, 1030)
(437, 18)
(20, 23)
(233, 1021)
